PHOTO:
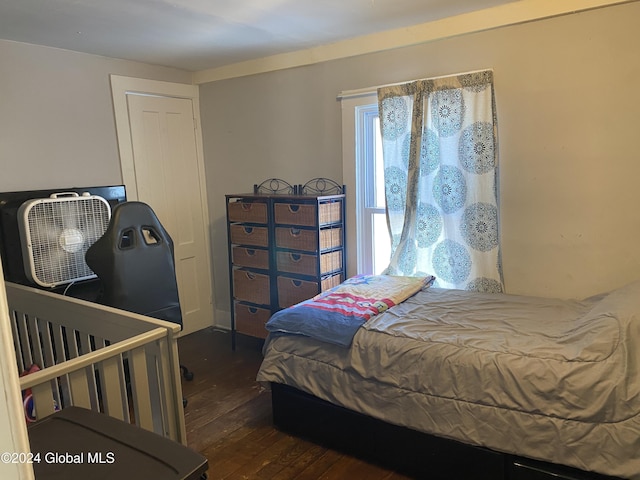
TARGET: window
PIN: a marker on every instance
(368, 243)
(374, 245)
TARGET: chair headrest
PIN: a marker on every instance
(136, 216)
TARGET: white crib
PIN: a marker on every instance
(119, 363)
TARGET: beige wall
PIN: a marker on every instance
(56, 116)
(568, 116)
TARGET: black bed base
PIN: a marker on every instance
(401, 449)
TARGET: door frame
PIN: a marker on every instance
(122, 86)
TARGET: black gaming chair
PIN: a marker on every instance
(134, 261)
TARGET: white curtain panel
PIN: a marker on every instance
(440, 153)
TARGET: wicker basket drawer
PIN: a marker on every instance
(255, 212)
(330, 212)
(306, 264)
(250, 320)
(292, 291)
(245, 235)
(330, 262)
(296, 214)
(330, 282)
(251, 287)
(296, 238)
(301, 263)
(330, 238)
(307, 240)
(308, 215)
(250, 257)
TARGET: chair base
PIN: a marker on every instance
(186, 373)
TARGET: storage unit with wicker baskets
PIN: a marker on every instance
(283, 249)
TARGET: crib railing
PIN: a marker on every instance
(101, 358)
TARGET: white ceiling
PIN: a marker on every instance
(197, 35)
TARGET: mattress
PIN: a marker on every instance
(553, 380)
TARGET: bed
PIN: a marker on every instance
(72, 352)
(454, 384)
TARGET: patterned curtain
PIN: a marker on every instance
(439, 141)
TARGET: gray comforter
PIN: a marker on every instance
(555, 380)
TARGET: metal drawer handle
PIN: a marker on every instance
(295, 232)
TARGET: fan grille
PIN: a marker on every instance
(60, 234)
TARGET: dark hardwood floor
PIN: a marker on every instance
(228, 419)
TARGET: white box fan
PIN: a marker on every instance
(55, 234)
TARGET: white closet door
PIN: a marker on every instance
(167, 177)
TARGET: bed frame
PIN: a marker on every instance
(104, 359)
(404, 450)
